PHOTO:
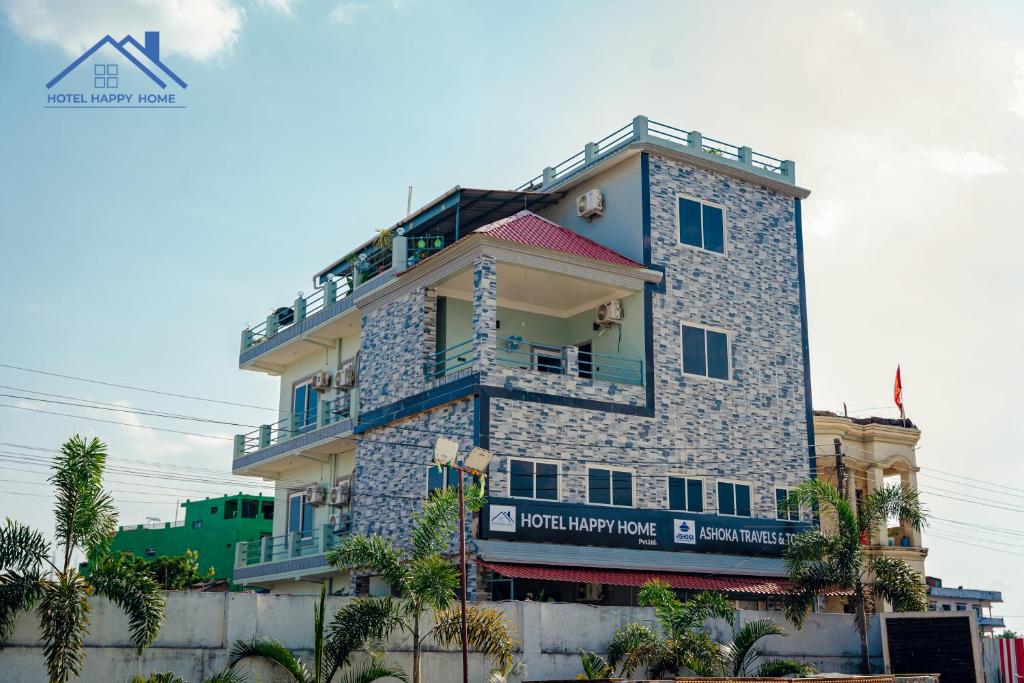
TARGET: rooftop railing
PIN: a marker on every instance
(642, 129)
(321, 414)
(515, 352)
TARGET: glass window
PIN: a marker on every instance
(705, 352)
(530, 479)
(198, 524)
(304, 405)
(230, 509)
(610, 487)
(268, 510)
(685, 494)
(783, 508)
(702, 225)
(440, 479)
(300, 513)
(250, 508)
(733, 499)
(213, 510)
(547, 360)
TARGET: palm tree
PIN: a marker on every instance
(819, 560)
(423, 583)
(595, 667)
(85, 521)
(329, 654)
(687, 645)
(223, 676)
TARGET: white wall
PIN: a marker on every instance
(201, 628)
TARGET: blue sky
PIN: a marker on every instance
(137, 244)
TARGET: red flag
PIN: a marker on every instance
(897, 391)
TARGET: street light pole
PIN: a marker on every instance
(462, 565)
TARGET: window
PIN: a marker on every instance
(268, 510)
(150, 552)
(961, 607)
(198, 524)
(947, 608)
(104, 75)
(733, 499)
(705, 352)
(702, 225)
(213, 510)
(440, 479)
(610, 487)
(783, 507)
(304, 405)
(250, 508)
(300, 513)
(685, 494)
(529, 479)
(230, 509)
(547, 359)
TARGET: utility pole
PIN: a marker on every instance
(840, 467)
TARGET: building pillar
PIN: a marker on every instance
(876, 480)
(485, 313)
(429, 333)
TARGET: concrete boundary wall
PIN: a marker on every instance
(201, 627)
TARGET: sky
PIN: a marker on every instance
(136, 244)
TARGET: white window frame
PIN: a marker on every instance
(310, 396)
(703, 489)
(788, 490)
(734, 482)
(544, 461)
(301, 494)
(725, 225)
(728, 351)
(547, 351)
(611, 494)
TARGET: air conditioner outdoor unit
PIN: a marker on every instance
(316, 494)
(590, 204)
(590, 592)
(338, 521)
(609, 312)
(345, 378)
(321, 381)
(342, 493)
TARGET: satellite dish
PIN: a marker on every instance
(445, 451)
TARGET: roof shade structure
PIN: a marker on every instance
(458, 212)
(526, 227)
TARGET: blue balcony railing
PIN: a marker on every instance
(516, 352)
(320, 415)
(450, 360)
(314, 541)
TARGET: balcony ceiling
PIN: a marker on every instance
(537, 291)
(346, 325)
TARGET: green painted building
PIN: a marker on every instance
(212, 527)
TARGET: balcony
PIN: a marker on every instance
(515, 352)
(305, 432)
(288, 556)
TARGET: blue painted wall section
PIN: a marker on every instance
(809, 410)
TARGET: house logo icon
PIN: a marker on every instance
(503, 518)
(684, 531)
(123, 73)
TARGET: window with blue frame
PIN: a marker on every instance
(104, 75)
(705, 352)
(733, 499)
(784, 507)
(300, 513)
(610, 487)
(530, 479)
(685, 494)
(442, 478)
(304, 405)
(702, 225)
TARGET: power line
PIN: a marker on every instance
(134, 388)
(124, 424)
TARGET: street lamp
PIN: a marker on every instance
(475, 464)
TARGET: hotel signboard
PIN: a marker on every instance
(514, 519)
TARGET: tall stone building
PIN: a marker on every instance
(626, 332)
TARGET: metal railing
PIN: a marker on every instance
(364, 267)
(642, 129)
(291, 545)
(424, 246)
(322, 414)
(450, 360)
(516, 352)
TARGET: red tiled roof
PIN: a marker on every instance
(754, 585)
(528, 228)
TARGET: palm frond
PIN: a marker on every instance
(804, 587)
(433, 581)
(272, 651)
(627, 639)
(361, 621)
(18, 593)
(889, 501)
(488, 631)
(777, 668)
(698, 652)
(897, 582)
(435, 525)
(704, 606)
(319, 653)
(742, 651)
(374, 670)
(64, 617)
(228, 675)
(21, 548)
(830, 502)
(595, 668)
(130, 587)
(85, 514)
(373, 553)
(159, 677)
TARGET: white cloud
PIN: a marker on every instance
(345, 12)
(1017, 105)
(284, 6)
(963, 164)
(204, 29)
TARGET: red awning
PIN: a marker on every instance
(754, 585)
